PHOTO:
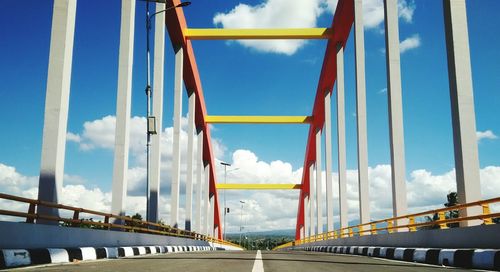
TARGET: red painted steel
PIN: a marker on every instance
(341, 25)
(176, 22)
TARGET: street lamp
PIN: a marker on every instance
(241, 218)
(225, 207)
(151, 121)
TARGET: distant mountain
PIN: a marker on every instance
(283, 233)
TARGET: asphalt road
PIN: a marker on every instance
(244, 261)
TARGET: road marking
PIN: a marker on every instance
(258, 265)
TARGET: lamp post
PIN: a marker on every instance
(225, 207)
(151, 121)
(241, 218)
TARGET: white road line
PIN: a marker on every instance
(258, 265)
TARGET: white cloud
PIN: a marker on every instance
(382, 91)
(266, 210)
(409, 43)
(298, 14)
(488, 134)
(71, 137)
(272, 14)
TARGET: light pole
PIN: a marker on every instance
(225, 207)
(151, 121)
(241, 218)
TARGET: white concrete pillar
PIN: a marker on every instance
(206, 200)
(319, 188)
(199, 180)
(328, 161)
(211, 217)
(462, 107)
(56, 106)
(307, 212)
(176, 151)
(341, 138)
(395, 104)
(123, 104)
(158, 70)
(312, 200)
(364, 186)
(190, 161)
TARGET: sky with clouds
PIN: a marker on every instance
(246, 78)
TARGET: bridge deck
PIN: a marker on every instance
(244, 261)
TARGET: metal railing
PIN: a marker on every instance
(118, 223)
(406, 223)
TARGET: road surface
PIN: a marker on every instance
(243, 261)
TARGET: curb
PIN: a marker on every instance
(466, 258)
(10, 258)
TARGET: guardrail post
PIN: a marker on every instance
(76, 215)
(412, 223)
(390, 227)
(373, 229)
(486, 211)
(106, 221)
(351, 233)
(31, 210)
(442, 216)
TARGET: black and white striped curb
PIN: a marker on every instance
(23, 257)
(467, 258)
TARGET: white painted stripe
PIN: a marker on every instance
(16, 257)
(111, 252)
(152, 249)
(88, 253)
(447, 257)
(258, 265)
(399, 253)
(484, 258)
(128, 251)
(420, 254)
(58, 255)
(142, 250)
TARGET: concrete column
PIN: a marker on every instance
(341, 138)
(395, 109)
(190, 162)
(123, 104)
(312, 201)
(462, 107)
(307, 212)
(158, 70)
(56, 106)
(211, 217)
(206, 200)
(319, 188)
(328, 161)
(176, 151)
(199, 179)
(364, 186)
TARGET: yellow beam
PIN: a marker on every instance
(254, 34)
(214, 119)
(258, 186)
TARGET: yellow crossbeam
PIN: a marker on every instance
(254, 34)
(258, 186)
(215, 119)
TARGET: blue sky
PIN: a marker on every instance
(244, 80)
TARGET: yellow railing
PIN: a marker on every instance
(125, 223)
(407, 223)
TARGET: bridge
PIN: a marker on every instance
(55, 233)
